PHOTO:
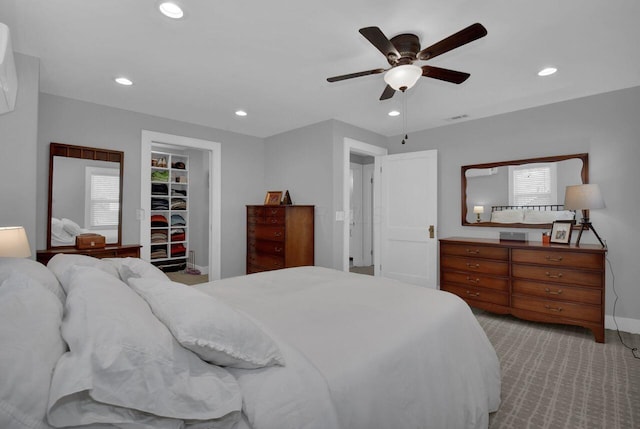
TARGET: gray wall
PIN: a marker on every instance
(308, 162)
(606, 126)
(76, 122)
(18, 136)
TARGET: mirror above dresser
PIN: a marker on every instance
(85, 194)
(525, 193)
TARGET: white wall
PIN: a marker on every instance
(76, 122)
(18, 137)
(606, 126)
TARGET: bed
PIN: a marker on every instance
(532, 214)
(119, 345)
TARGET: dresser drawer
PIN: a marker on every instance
(270, 262)
(558, 275)
(254, 211)
(551, 257)
(262, 246)
(559, 292)
(263, 220)
(475, 265)
(470, 250)
(475, 279)
(264, 232)
(568, 310)
(477, 294)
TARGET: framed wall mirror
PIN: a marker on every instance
(525, 193)
(85, 194)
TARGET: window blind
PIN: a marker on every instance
(532, 186)
(105, 202)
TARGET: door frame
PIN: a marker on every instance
(360, 148)
(213, 150)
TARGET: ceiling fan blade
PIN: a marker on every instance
(462, 37)
(444, 74)
(387, 93)
(380, 41)
(352, 75)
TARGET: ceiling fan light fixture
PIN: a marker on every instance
(403, 77)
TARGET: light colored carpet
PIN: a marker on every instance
(188, 279)
(362, 270)
(558, 377)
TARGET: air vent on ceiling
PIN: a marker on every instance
(458, 117)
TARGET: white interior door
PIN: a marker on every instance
(355, 215)
(367, 215)
(406, 209)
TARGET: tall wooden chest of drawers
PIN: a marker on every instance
(279, 237)
(545, 283)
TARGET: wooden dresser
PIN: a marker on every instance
(546, 283)
(279, 237)
(127, 250)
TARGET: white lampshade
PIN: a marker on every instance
(403, 77)
(583, 197)
(478, 209)
(14, 242)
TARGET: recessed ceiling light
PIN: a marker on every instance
(548, 71)
(241, 113)
(171, 10)
(393, 113)
(124, 81)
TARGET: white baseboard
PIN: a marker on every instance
(624, 324)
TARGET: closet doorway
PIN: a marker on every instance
(203, 201)
(361, 214)
(360, 151)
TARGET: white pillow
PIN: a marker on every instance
(507, 216)
(547, 216)
(137, 268)
(62, 262)
(56, 226)
(34, 270)
(30, 346)
(71, 227)
(124, 365)
(207, 326)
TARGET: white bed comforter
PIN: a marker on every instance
(393, 355)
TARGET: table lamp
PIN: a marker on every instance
(584, 197)
(14, 242)
(478, 210)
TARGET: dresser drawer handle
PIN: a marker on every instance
(550, 292)
(552, 276)
(278, 249)
(472, 280)
(274, 220)
(277, 234)
(558, 309)
(274, 211)
(470, 265)
(475, 252)
(469, 293)
(558, 259)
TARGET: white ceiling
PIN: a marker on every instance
(272, 58)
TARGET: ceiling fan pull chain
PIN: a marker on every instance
(404, 117)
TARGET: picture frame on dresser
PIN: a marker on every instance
(273, 198)
(561, 231)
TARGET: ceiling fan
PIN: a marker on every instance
(403, 50)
